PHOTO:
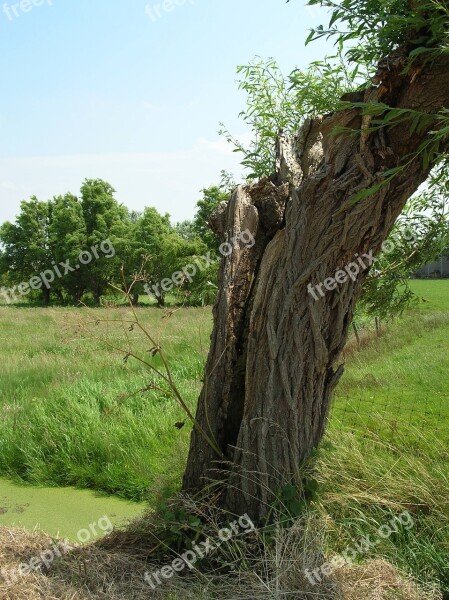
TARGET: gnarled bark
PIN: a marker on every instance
(275, 355)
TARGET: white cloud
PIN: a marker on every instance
(170, 181)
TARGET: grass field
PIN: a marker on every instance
(69, 416)
(72, 414)
(402, 377)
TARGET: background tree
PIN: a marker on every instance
(148, 249)
(159, 248)
(212, 197)
(186, 230)
(26, 244)
(67, 239)
(48, 233)
(105, 219)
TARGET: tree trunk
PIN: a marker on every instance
(46, 295)
(160, 299)
(97, 292)
(277, 339)
(77, 295)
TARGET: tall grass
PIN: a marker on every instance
(364, 483)
(70, 411)
(71, 416)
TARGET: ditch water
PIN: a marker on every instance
(61, 512)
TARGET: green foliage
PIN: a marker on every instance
(365, 33)
(291, 502)
(277, 104)
(67, 238)
(152, 247)
(46, 234)
(201, 241)
(159, 252)
(179, 528)
(417, 238)
(270, 110)
(146, 248)
(186, 230)
(203, 289)
(383, 25)
(26, 249)
(104, 219)
(212, 197)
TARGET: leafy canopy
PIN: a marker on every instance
(383, 25)
(48, 234)
(276, 104)
(419, 236)
(365, 32)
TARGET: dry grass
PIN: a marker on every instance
(98, 573)
(378, 580)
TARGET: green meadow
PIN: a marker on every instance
(76, 412)
(73, 413)
(398, 383)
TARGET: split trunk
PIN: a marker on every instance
(278, 331)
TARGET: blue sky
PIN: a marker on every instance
(112, 89)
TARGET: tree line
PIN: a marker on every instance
(143, 248)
